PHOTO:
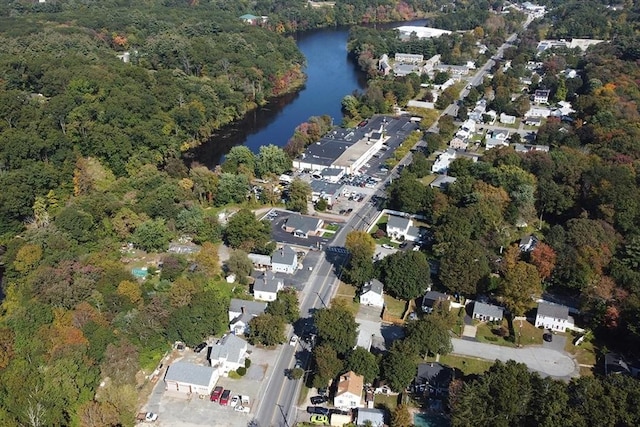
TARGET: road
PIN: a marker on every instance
(278, 405)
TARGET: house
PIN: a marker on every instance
(372, 294)
(303, 226)
(431, 298)
(349, 392)
(491, 143)
(466, 129)
(433, 379)
(458, 143)
(241, 312)
(615, 364)
(228, 355)
(442, 181)
(370, 417)
(260, 261)
(553, 316)
(538, 111)
(185, 377)
(507, 119)
(443, 161)
(487, 312)
(402, 228)
(541, 96)
(528, 243)
(525, 148)
(409, 58)
(266, 287)
(284, 260)
(533, 121)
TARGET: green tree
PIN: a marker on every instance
(77, 223)
(430, 335)
(298, 196)
(361, 247)
(232, 188)
(401, 417)
(286, 305)
(406, 274)
(406, 193)
(399, 365)
(364, 363)
(272, 160)
(152, 236)
(239, 264)
(462, 267)
(328, 365)
(520, 287)
(240, 159)
(337, 328)
(244, 231)
(206, 314)
(266, 329)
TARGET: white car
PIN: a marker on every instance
(234, 401)
(150, 417)
(241, 408)
(293, 341)
(387, 246)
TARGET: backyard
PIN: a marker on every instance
(346, 295)
(394, 307)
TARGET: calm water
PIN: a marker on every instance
(330, 76)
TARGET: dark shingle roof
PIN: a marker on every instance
(553, 310)
(489, 310)
(253, 308)
(303, 223)
(284, 255)
(374, 285)
(189, 373)
(267, 283)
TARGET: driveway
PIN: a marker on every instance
(545, 361)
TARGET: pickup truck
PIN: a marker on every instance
(147, 417)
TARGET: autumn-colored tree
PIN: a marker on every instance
(91, 175)
(181, 292)
(130, 290)
(361, 247)
(544, 258)
(28, 257)
(120, 362)
(401, 417)
(520, 286)
(7, 338)
(96, 414)
(208, 260)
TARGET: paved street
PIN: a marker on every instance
(546, 361)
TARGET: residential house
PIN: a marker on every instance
(433, 379)
(442, 181)
(498, 138)
(266, 287)
(372, 294)
(453, 70)
(349, 392)
(409, 58)
(478, 111)
(507, 119)
(614, 363)
(538, 111)
(541, 96)
(487, 312)
(553, 316)
(458, 144)
(466, 129)
(533, 121)
(241, 312)
(383, 64)
(254, 20)
(528, 243)
(443, 161)
(228, 354)
(185, 377)
(406, 69)
(284, 260)
(525, 148)
(260, 261)
(370, 417)
(402, 228)
(431, 298)
(303, 226)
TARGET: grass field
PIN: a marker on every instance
(388, 401)
(346, 295)
(395, 307)
(428, 179)
(467, 365)
(585, 353)
(525, 334)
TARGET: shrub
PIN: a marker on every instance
(242, 371)
(379, 234)
(247, 363)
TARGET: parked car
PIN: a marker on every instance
(216, 393)
(224, 398)
(320, 420)
(322, 391)
(293, 341)
(547, 337)
(387, 246)
(317, 400)
(234, 401)
(317, 410)
(150, 417)
(200, 347)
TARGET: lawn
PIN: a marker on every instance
(529, 334)
(525, 333)
(384, 400)
(332, 227)
(484, 333)
(328, 234)
(428, 179)
(585, 353)
(346, 295)
(467, 365)
(394, 307)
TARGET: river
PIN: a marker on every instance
(330, 76)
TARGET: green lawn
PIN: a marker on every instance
(332, 227)
(395, 307)
(428, 179)
(328, 234)
(346, 295)
(388, 401)
(525, 334)
(467, 365)
(529, 334)
(585, 353)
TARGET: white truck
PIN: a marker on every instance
(244, 405)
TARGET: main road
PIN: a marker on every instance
(277, 406)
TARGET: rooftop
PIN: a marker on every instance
(350, 382)
(284, 255)
(267, 283)
(398, 222)
(251, 307)
(318, 186)
(303, 223)
(553, 310)
(374, 285)
(488, 310)
(434, 374)
(230, 348)
(189, 373)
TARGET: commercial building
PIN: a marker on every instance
(188, 378)
(406, 31)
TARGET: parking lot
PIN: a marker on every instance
(181, 410)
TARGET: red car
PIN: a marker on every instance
(224, 398)
(215, 394)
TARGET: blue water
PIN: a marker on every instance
(428, 420)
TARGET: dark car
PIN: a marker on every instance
(317, 400)
(547, 337)
(224, 398)
(322, 391)
(200, 347)
(216, 393)
(317, 410)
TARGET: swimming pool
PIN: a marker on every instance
(430, 420)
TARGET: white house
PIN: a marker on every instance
(507, 119)
(467, 129)
(373, 294)
(401, 228)
(241, 312)
(553, 316)
(228, 355)
(487, 312)
(458, 144)
(349, 392)
(541, 96)
(538, 111)
(409, 58)
(266, 287)
(185, 377)
(527, 243)
(284, 260)
(443, 161)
